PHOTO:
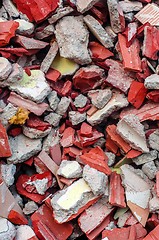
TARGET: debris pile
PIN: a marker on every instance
(79, 120)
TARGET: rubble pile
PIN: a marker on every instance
(79, 120)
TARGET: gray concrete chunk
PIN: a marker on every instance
(83, 5)
(34, 133)
(10, 8)
(152, 81)
(153, 140)
(150, 169)
(53, 100)
(25, 28)
(61, 12)
(145, 157)
(100, 97)
(70, 169)
(30, 207)
(76, 117)
(63, 106)
(53, 119)
(8, 112)
(8, 171)
(5, 68)
(80, 101)
(130, 6)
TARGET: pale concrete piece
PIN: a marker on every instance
(16, 74)
(53, 100)
(8, 171)
(153, 140)
(30, 207)
(72, 38)
(122, 219)
(7, 230)
(46, 63)
(10, 8)
(130, 6)
(46, 32)
(70, 169)
(80, 101)
(25, 28)
(34, 133)
(68, 201)
(33, 87)
(40, 185)
(98, 31)
(5, 68)
(111, 158)
(3, 14)
(63, 106)
(95, 179)
(8, 112)
(152, 82)
(53, 119)
(154, 204)
(76, 117)
(111, 33)
(132, 131)
(23, 148)
(150, 169)
(117, 101)
(145, 157)
(24, 232)
(83, 6)
(51, 140)
(100, 97)
(61, 12)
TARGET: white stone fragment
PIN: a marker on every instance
(8, 171)
(154, 204)
(80, 101)
(41, 185)
(130, 6)
(145, 157)
(5, 68)
(10, 8)
(83, 6)
(7, 230)
(25, 28)
(53, 119)
(63, 106)
(100, 97)
(34, 133)
(33, 87)
(150, 169)
(70, 169)
(23, 148)
(95, 179)
(30, 207)
(72, 38)
(24, 232)
(76, 117)
(132, 131)
(61, 12)
(53, 100)
(98, 31)
(152, 82)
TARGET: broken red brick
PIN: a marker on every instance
(87, 141)
(116, 191)
(86, 130)
(99, 52)
(4, 144)
(7, 31)
(137, 94)
(35, 122)
(153, 235)
(68, 137)
(17, 218)
(111, 146)
(55, 153)
(153, 96)
(53, 75)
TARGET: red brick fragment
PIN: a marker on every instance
(116, 233)
(153, 235)
(67, 87)
(53, 75)
(87, 141)
(30, 161)
(96, 158)
(68, 137)
(145, 71)
(137, 94)
(36, 10)
(55, 153)
(116, 191)
(4, 144)
(7, 31)
(153, 96)
(133, 153)
(35, 122)
(111, 146)
(86, 130)
(16, 51)
(40, 165)
(130, 55)
(153, 221)
(46, 227)
(99, 52)
(17, 218)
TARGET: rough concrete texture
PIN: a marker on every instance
(5, 68)
(8, 112)
(60, 12)
(33, 87)
(115, 18)
(34, 133)
(72, 38)
(25, 28)
(154, 204)
(7, 230)
(153, 140)
(63, 106)
(30, 207)
(95, 179)
(11, 9)
(98, 31)
(150, 169)
(16, 74)
(53, 100)
(80, 101)
(145, 157)
(45, 32)
(24, 232)
(100, 98)
(100, 142)
(130, 6)
(117, 101)
(111, 158)
(83, 6)
(51, 140)
(132, 131)
(8, 172)
(40, 185)
(70, 169)
(23, 148)
(152, 82)
(76, 117)
(53, 119)
(70, 200)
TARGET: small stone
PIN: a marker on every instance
(76, 117)
(61, 12)
(5, 68)
(70, 169)
(83, 6)
(149, 169)
(154, 204)
(130, 6)
(111, 158)
(95, 179)
(45, 32)
(16, 74)
(63, 106)
(30, 207)
(41, 185)
(25, 232)
(100, 98)
(72, 38)
(80, 101)
(8, 171)
(10, 8)
(154, 140)
(53, 100)
(145, 157)
(53, 119)
(7, 230)
(8, 112)
(34, 133)
(152, 82)
(25, 28)
(23, 148)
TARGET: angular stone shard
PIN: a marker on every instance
(145, 157)
(152, 82)
(70, 169)
(72, 38)
(83, 6)
(5, 68)
(132, 131)
(100, 97)
(153, 140)
(61, 12)
(25, 28)
(33, 87)
(23, 148)
(7, 230)
(98, 31)
(70, 202)
(129, 6)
